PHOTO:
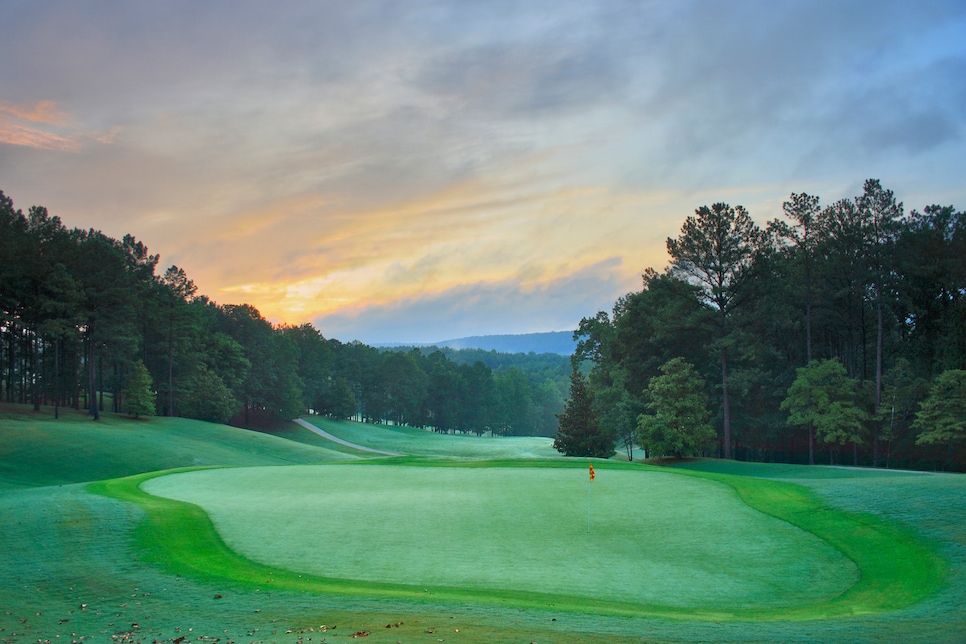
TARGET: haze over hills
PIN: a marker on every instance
(560, 342)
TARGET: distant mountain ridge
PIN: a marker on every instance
(559, 342)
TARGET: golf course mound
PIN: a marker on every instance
(38, 450)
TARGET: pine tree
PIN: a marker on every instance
(579, 434)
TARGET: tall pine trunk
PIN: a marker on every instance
(808, 350)
(878, 372)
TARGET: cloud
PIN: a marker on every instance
(30, 137)
(523, 80)
(330, 158)
(761, 91)
(30, 126)
(45, 112)
(506, 306)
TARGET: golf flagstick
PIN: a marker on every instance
(589, 481)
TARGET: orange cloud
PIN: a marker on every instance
(30, 137)
(421, 248)
(318, 253)
(42, 126)
(45, 112)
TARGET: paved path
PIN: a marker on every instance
(324, 434)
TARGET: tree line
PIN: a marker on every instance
(88, 322)
(832, 334)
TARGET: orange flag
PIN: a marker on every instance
(592, 472)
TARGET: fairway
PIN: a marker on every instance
(411, 440)
(656, 539)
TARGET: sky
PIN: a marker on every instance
(416, 171)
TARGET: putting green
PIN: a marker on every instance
(656, 539)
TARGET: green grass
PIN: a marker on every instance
(64, 548)
(38, 450)
(487, 530)
(784, 471)
(473, 533)
(409, 440)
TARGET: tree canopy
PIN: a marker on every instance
(861, 281)
(679, 423)
(823, 396)
(942, 417)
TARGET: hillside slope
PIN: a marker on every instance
(37, 450)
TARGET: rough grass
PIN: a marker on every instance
(785, 471)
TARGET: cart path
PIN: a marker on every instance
(324, 434)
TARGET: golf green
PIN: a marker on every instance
(654, 538)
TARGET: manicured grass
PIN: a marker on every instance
(897, 567)
(520, 530)
(784, 471)
(38, 450)
(409, 440)
(377, 523)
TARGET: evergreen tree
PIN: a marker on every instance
(339, 401)
(139, 395)
(716, 251)
(579, 433)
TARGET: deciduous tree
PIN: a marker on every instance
(679, 423)
(941, 420)
(824, 396)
